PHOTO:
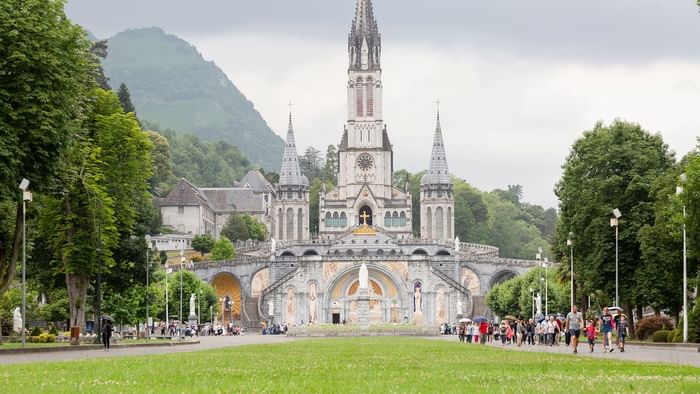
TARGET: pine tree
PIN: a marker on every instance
(125, 99)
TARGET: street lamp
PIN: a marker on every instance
(614, 222)
(532, 298)
(199, 308)
(182, 262)
(570, 244)
(538, 256)
(167, 318)
(546, 288)
(26, 197)
(148, 248)
(679, 191)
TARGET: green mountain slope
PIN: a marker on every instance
(172, 84)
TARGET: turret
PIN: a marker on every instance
(437, 202)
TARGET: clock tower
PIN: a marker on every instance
(365, 155)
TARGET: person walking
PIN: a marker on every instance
(502, 332)
(590, 334)
(573, 326)
(107, 329)
(606, 327)
(483, 331)
(622, 332)
(616, 320)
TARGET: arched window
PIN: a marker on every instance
(395, 219)
(387, 219)
(343, 220)
(329, 221)
(290, 224)
(429, 223)
(439, 223)
(300, 224)
(359, 90)
(370, 97)
(336, 220)
(449, 223)
(402, 219)
(280, 224)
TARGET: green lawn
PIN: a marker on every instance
(15, 345)
(362, 365)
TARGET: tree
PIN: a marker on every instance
(310, 163)
(240, 227)
(162, 162)
(404, 180)
(513, 297)
(47, 72)
(471, 213)
(202, 243)
(330, 169)
(99, 50)
(125, 99)
(191, 284)
(610, 167)
(223, 250)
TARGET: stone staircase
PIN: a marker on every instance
(250, 310)
(480, 308)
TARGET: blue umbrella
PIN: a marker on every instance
(479, 319)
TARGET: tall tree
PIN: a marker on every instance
(610, 167)
(223, 250)
(202, 244)
(310, 163)
(330, 169)
(99, 50)
(125, 99)
(46, 71)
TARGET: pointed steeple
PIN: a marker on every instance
(290, 173)
(364, 41)
(438, 173)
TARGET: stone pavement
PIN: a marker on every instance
(205, 343)
(674, 355)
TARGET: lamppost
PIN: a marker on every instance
(211, 315)
(148, 248)
(679, 191)
(167, 318)
(26, 197)
(532, 298)
(538, 257)
(570, 244)
(199, 308)
(614, 222)
(182, 262)
(546, 288)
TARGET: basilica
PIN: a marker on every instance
(298, 278)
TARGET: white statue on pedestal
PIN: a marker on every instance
(460, 308)
(457, 245)
(538, 303)
(193, 311)
(17, 320)
(270, 308)
(273, 246)
(364, 277)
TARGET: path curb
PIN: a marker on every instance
(92, 347)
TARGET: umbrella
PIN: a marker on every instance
(107, 317)
(480, 319)
(464, 320)
(510, 317)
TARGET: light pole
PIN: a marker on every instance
(679, 191)
(614, 222)
(211, 315)
(167, 318)
(26, 197)
(199, 308)
(546, 288)
(570, 244)
(538, 256)
(532, 298)
(182, 262)
(148, 248)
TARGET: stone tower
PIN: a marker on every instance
(292, 202)
(436, 199)
(365, 194)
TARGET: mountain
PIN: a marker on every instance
(171, 84)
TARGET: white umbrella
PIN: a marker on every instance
(464, 320)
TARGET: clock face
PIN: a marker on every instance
(365, 162)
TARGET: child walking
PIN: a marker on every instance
(590, 333)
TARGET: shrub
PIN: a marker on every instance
(649, 325)
(53, 331)
(197, 259)
(677, 336)
(671, 335)
(36, 331)
(661, 336)
(694, 324)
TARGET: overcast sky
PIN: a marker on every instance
(519, 81)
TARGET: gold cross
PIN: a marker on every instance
(364, 216)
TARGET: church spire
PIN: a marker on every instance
(438, 173)
(364, 40)
(290, 173)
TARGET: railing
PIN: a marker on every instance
(274, 287)
(450, 281)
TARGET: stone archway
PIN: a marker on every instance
(500, 277)
(228, 293)
(260, 281)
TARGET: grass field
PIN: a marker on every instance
(362, 365)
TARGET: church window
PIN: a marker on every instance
(289, 195)
(280, 223)
(336, 220)
(429, 223)
(402, 219)
(439, 221)
(387, 219)
(449, 223)
(300, 225)
(343, 220)
(395, 219)
(290, 224)
(329, 221)
(370, 98)
(365, 162)
(359, 98)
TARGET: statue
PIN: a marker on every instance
(270, 308)
(364, 277)
(312, 303)
(17, 320)
(193, 311)
(538, 302)
(457, 245)
(460, 307)
(273, 246)
(418, 299)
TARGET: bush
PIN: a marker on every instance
(197, 259)
(649, 325)
(671, 335)
(36, 331)
(694, 324)
(661, 336)
(53, 331)
(677, 336)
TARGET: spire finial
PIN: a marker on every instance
(437, 103)
(290, 109)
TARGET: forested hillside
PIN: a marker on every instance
(172, 84)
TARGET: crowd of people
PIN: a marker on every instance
(547, 331)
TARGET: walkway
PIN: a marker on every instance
(673, 355)
(205, 343)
